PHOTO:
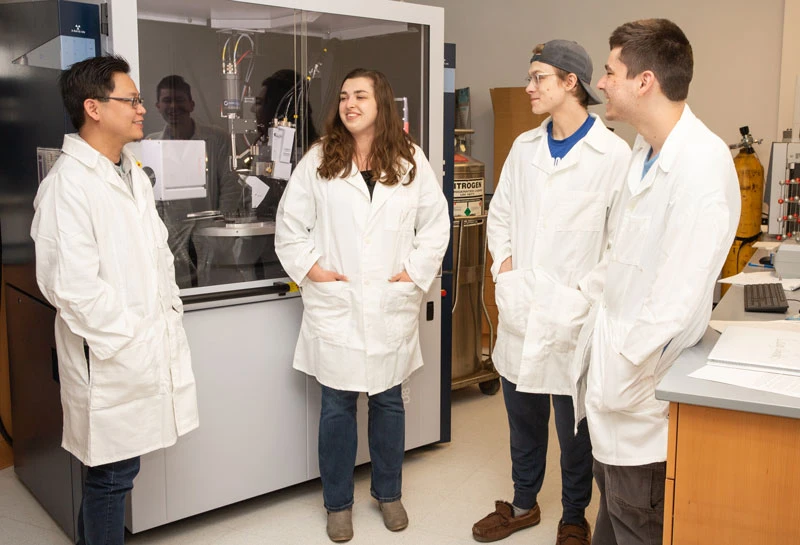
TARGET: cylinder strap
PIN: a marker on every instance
(746, 240)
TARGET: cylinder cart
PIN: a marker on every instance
(470, 364)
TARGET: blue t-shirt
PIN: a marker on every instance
(648, 162)
(560, 148)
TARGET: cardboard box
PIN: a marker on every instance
(512, 117)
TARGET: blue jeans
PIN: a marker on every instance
(101, 520)
(338, 442)
(528, 420)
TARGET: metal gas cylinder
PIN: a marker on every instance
(750, 172)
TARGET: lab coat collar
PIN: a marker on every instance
(78, 148)
(666, 158)
(596, 138)
(383, 192)
(356, 180)
(676, 139)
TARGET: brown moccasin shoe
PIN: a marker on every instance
(394, 514)
(340, 525)
(574, 534)
(502, 522)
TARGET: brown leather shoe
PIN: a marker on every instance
(340, 525)
(394, 514)
(574, 534)
(502, 522)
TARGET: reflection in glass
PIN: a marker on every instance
(256, 97)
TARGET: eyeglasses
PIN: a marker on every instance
(133, 101)
(537, 77)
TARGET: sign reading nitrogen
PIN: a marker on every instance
(468, 197)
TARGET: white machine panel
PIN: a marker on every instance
(783, 160)
(179, 168)
(252, 406)
(259, 418)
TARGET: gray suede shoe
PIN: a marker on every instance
(340, 525)
(394, 515)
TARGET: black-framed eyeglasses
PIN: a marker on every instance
(133, 101)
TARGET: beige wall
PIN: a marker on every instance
(737, 46)
(790, 65)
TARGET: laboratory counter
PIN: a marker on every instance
(732, 474)
(677, 386)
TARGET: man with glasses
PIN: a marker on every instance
(102, 261)
(681, 209)
(551, 218)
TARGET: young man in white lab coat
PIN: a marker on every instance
(549, 223)
(127, 386)
(680, 211)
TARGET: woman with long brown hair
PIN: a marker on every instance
(362, 229)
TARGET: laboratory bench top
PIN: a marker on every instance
(678, 386)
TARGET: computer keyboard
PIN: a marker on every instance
(765, 298)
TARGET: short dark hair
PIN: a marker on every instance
(173, 83)
(92, 78)
(658, 45)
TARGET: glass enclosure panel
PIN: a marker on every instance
(258, 94)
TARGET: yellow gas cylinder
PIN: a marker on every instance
(751, 186)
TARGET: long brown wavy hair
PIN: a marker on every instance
(390, 146)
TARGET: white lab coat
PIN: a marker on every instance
(102, 261)
(555, 221)
(361, 335)
(675, 230)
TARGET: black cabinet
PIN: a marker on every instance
(51, 473)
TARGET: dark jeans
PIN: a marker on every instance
(631, 504)
(528, 420)
(101, 520)
(338, 442)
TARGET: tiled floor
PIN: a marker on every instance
(446, 488)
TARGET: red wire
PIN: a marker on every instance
(246, 53)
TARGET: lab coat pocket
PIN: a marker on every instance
(563, 311)
(400, 309)
(629, 244)
(627, 386)
(513, 294)
(327, 309)
(579, 211)
(132, 373)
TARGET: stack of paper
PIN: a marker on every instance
(772, 350)
(760, 359)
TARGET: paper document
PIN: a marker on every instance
(784, 324)
(790, 284)
(767, 244)
(743, 279)
(755, 380)
(772, 350)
